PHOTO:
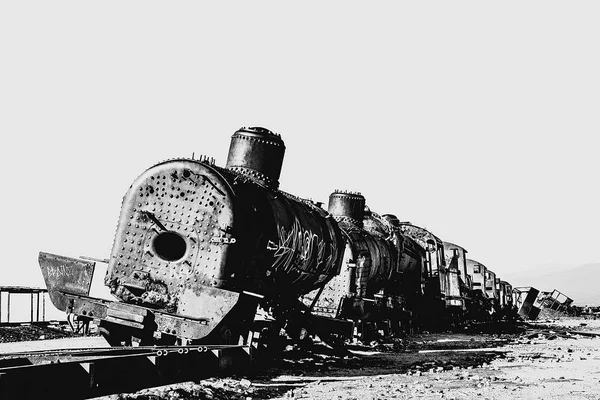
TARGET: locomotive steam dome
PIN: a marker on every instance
(347, 205)
(257, 153)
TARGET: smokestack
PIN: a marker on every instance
(257, 153)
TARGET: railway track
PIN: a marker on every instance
(80, 373)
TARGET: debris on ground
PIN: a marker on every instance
(548, 359)
(26, 332)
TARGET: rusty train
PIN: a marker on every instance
(209, 254)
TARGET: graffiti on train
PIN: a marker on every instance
(298, 247)
(73, 276)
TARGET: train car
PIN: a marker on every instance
(480, 306)
(380, 275)
(490, 287)
(403, 292)
(556, 301)
(432, 245)
(453, 250)
(198, 247)
(459, 280)
(441, 302)
(506, 297)
(412, 265)
(526, 301)
(477, 271)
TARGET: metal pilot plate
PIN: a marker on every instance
(65, 274)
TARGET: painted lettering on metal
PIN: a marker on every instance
(300, 248)
(73, 274)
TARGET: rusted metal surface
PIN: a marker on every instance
(257, 153)
(555, 300)
(326, 300)
(65, 275)
(506, 294)
(370, 284)
(165, 248)
(373, 257)
(446, 263)
(352, 281)
(193, 236)
(477, 272)
(304, 249)
(199, 246)
(429, 242)
(410, 269)
(452, 250)
(526, 302)
(450, 284)
(490, 286)
(207, 213)
(347, 205)
(217, 304)
(411, 257)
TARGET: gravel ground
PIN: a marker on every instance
(81, 342)
(20, 333)
(21, 338)
(537, 364)
(435, 366)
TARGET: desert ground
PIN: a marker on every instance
(548, 360)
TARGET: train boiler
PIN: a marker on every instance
(198, 247)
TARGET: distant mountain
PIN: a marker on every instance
(581, 283)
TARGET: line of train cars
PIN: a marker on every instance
(201, 251)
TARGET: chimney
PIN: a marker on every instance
(257, 153)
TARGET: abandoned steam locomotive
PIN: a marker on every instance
(198, 248)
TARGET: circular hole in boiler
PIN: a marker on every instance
(169, 246)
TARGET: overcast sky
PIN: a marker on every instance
(476, 120)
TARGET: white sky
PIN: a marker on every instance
(477, 120)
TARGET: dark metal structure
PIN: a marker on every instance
(555, 300)
(92, 372)
(199, 247)
(526, 302)
(380, 282)
(36, 295)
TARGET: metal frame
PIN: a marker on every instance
(35, 294)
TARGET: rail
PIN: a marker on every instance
(80, 373)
